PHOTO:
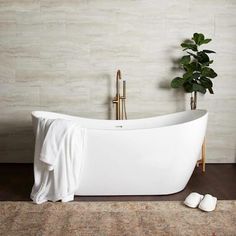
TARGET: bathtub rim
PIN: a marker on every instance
(200, 114)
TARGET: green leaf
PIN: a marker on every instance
(199, 88)
(185, 60)
(195, 66)
(201, 38)
(191, 46)
(205, 41)
(177, 82)
(188, 75)
(209, 51)
(188, 68)
(188, 87)
(195, 37)
(207, 63)
(210, 90)
(207, 83)
(202, 57)
(208, 72)
(198, 38)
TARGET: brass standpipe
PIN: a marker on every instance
(119, 100)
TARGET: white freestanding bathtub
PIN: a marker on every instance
(152, 156)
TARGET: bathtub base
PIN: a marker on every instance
(131, 193)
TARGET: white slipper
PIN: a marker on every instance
(193, 200)
(208, 203)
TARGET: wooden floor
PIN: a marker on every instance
(16, 181)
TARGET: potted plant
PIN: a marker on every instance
(197, 75)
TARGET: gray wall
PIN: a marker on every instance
(62, 55)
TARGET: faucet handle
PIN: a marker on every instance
(115, 100)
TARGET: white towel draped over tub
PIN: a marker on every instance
(58, 160)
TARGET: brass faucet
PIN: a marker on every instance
(119, 100)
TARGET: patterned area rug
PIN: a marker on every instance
(115, 218)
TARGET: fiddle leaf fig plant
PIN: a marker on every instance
(197, 75)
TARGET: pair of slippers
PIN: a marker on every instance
(205, 203)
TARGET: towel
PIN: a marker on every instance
(58, 160)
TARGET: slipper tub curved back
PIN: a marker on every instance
(152, 156)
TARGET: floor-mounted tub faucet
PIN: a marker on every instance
(119, 100)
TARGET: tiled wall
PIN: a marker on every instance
(62, 55)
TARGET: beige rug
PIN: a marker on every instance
(115, 218)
